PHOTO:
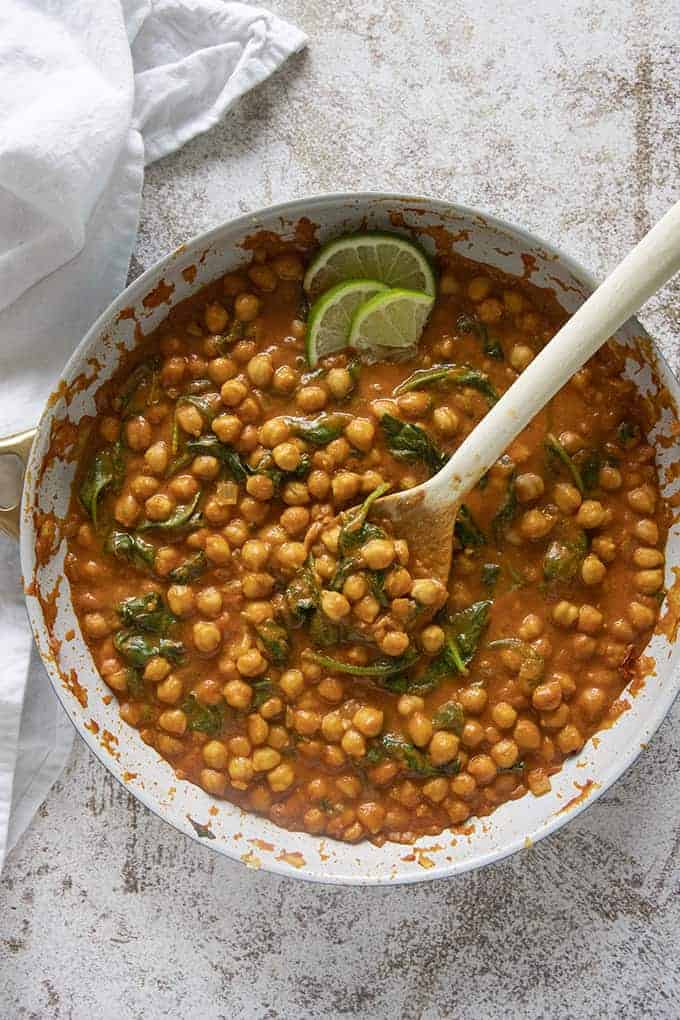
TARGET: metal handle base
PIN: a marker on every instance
(19, 445)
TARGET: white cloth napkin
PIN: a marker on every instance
(89, 93)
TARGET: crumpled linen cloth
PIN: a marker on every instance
(90, 93)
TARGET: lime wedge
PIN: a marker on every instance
(331, 316)
(390, 323)
(386, 257)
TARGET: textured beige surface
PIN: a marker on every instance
(560, 116)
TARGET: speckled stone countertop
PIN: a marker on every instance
(562, 117)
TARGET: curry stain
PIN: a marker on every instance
(303, 239)
(189, 273)
(73, 685)
(109, 742)
(160, 295)
(251, 860)
(127, 776)
(644, 667)
(47, 528)
(294, 858)
(126, 313)
(585, 790)
(262, 844)
(69, 635)
(92, 726)
(529, 263)
(668, 623)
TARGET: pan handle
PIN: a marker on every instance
(19, 445)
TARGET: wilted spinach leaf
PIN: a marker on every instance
(276, 641)
(411, 443)
(506, 511)
(137, 649)
(565, 553)
(392, 745)
(131, 548)
(449, 716)
(181, 517)
(203, 718)
(452, 375)
(466, 529)
(188, 571)
(146, 612)
(107, 469)
(490, 344)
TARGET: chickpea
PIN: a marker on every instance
(503, 715)
(479, 288)
(232, 392)
(255, 553)
(528, 487)
(334, 605)
(173, 720)
(295, 519)
(505, 753)
(360, 433)
(378, 554)
(205, 467)
(569, 739)
(95, 625)
(251, 663)
(428, 592)
(216, 317)
(246, 307)
(238, 694)
(410, 703)
(183, 487)
(483, 769)
(274, 432)
(218, 550)
(591, 514)
(646, 531)
(209, 602)
(527, 735)
(257, 585)
(432, 639)
(281, 777)
(260, 371)
(227, 427)
(260, 487)
(292, 683)
(331, 688)
(583, 646)
(368, 721)
(530, 628)
(646, 558)
(642, 617)
(311, 398)
(159, 507)
(591, 701)
(367, 608)
(395, 642)
(448, 284)
(181, 599)
(567, 497)
(295, 494)
(443, 747)
(456, 810)
(521, 357)
(207, 637)
(473, 699)
(648, 581)
(353, 744)
(170, 690)
(535, 524)
(436, 789)
(213, 782)
(236, 532)
(138, 434)
(338, 450)
(463, 785)
(610, 478)
(604, 548)
(445, 420)
(126, 510)
(345, 486)
(156, 457)
(593, 570)
(263, 277)
(339, 382)
(420, 729)
(173, 371)
(258, 612)
(398, 582)
(547, 696)
(285, 379)
(144, 486)
(208, 691)
(416, 404)
(565, 614)
(642, 500)
(189, 419)
(156, 669)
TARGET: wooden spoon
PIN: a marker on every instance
(425, 515)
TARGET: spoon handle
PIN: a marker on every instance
(646, 268)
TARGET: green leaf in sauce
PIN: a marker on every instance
(203, 718)
(223, 341)
(135, 683)
(276, 641)
(302, 596)
(449, 716)
(355, 530)
(137, 649)
(490, 344)
(466, 529)
(144, 374)
(490, 574)
(565, 553)
(411, 443)
(506, 512)
(452, 375)
(627, 432)
(319, 431)
(188, 571)
(132, 549)
(381, 669)
(146, 612)
(559, 455)
(392, 745)
(463, 632)
(106, 469)
(182, 517)
(201, 830)
(532, 662)
(263, 690)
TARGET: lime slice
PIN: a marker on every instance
(390, 323)
(386, 257)
(331, 316)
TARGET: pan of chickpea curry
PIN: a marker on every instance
(258, 659)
